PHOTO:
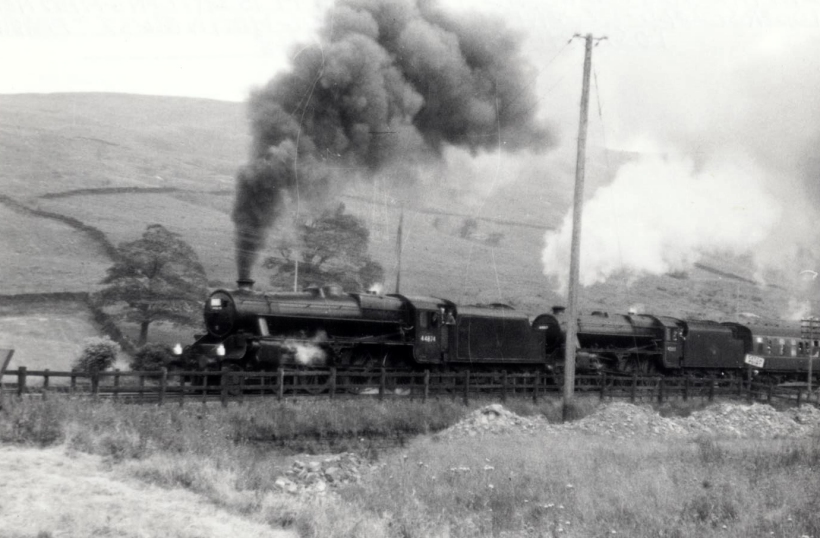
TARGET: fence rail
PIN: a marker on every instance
(165, 386)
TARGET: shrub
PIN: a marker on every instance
(151, 357)
(98, 354)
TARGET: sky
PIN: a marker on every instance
(723, 96)
(655, 55)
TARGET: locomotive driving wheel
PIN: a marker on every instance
(313, 383)
(231, 378)
(636, 364)
(365, 364)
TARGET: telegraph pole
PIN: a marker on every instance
(575, 255)
(398, 249)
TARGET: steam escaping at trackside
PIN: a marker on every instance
(307, 352)
(664, 214)
(389, 86)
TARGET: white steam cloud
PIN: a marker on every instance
(663, 214)
(798, 310)
(307, 352)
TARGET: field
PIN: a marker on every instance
(522, 482)
(116, 163)
(44, 255)
(46, 333)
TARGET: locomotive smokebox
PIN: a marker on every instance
(245, 284)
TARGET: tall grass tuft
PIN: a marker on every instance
(512, 485)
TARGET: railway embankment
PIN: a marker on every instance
(619, 420)
(625, 420)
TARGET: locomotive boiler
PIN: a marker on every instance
(324, 326)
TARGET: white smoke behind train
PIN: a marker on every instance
(662, 214)
(737, 106)
(798, 309)
(376, 289)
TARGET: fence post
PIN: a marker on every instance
(21, 381)
(241, 384)
(163, 385)
(426, 386)
(4, 362)
(95, 383)
(280, 383)
(45, 384)
(382, 384)
(116, 383)
(603, 387)
(466, 387)
(535, 383)
(799, 397)
(333, 383)
(686, 388)
(740, 387)
(142, 388)
(204, 388)
(769, 393)
(223, 382)
(634, 388)
(181, 390)
(711, 390)
(504, 386)
(73, 387)
(660, 390)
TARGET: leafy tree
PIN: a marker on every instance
(98, 354)
(151, 357)
(157, 278)
(331, 248)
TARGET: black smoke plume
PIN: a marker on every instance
(389, 85)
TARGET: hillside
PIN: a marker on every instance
(81, 173)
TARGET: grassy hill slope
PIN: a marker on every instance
(116, 163)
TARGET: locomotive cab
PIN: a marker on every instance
(434, 326)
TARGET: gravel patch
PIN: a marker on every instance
(624, 420)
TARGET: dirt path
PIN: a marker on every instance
(52, 493)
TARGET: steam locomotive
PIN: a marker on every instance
(324, 326)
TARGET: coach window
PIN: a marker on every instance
(794, 347)
(760, 347)
(801, 348)
(768, 346)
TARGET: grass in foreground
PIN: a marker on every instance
(515, 485)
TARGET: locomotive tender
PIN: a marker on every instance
(323, 327)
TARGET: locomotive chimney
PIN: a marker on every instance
(245, 284)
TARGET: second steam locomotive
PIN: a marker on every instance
(323, 327)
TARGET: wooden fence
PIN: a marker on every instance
(164, 386)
